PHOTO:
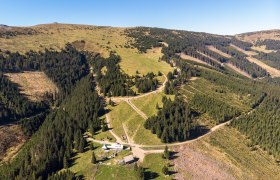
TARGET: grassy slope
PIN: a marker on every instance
(97, 39)
(252, 164)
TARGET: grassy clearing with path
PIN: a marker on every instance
(123, 113)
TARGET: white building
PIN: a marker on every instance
(115, 146)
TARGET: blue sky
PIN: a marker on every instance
(213, 16)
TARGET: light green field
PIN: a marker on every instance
(148, 104)
(222, 93)
(97, 39)
(154, 164)
(124, 114)
(115, 172)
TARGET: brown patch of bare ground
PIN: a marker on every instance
(33, 85)
(11, 140)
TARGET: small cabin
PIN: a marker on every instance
(128, 159)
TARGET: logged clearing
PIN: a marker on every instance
(212, 48)
(224, 155)
(11, 140)
(231, 66)
(272, 71)
(34, 85)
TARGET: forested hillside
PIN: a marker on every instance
(262, 125)
(195, 45)
(60, 133)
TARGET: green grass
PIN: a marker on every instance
(148, 104)
(220, 92)
(154, 164)
(115, 172)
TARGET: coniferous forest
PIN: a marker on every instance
(61, 132)
(174, 122)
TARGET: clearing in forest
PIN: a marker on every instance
(33, 84)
